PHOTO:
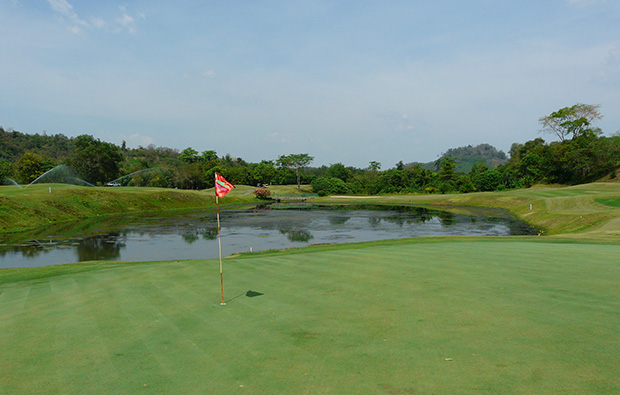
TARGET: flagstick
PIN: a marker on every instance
(219, 242)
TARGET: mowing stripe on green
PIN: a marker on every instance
(452, 316)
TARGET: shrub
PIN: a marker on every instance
(262, 193)
(329, 186)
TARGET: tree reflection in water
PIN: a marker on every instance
(446, 218)
(99, 248)
(192, 234)
(190, 238)
(209, 234)
(297, 235)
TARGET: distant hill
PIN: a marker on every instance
(467, 156)
(14, 144)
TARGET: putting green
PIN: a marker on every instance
(418, 316)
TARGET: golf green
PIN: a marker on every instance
(424, 316)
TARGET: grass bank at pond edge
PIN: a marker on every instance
(35, 207)
(583, 211)
(586, 211)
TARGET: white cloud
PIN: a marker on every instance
(65, 9)
(137, 139)
(126, 21)
(281, 138)
(77, 23)
(398, 122)
(98, 23)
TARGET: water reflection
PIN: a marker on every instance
(106, 247)
(447, 218)
(194, 235)
(297, 235)
(190, 237)
(209, 234)
(338, 220)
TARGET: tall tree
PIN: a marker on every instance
(574, 121)
(209, 156)
(6, 170)
(30, 166)
(189, 155)
(296, 162)
(338, 170)
(264, 172)
(94, 160)
(374, 165)
(447, 175)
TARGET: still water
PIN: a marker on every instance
(194, 235)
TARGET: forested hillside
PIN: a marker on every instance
(467, 157)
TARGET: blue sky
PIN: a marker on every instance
(344, 81)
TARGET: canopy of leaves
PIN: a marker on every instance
(571, 121)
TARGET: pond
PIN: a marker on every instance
(194, 235)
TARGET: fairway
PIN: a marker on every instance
(397, 317)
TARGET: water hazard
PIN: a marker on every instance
(194, 235)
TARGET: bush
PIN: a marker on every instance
(488, 180)
(262, 193)
(329, 186)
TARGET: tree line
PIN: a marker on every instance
(581, 155)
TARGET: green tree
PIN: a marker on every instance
(329, 186)
(6, 170)
(488, 180)
(389, 181)
(374, 166)
(30, 166)
(209, 156)
(190, 176)
(238, 175)
(447, 175)
(477, 168)
(94, 160)
(264, 172)
(338, 170)
(446, 172)
(189, 155)
(417, 178)
(296, 162)
(573, 121)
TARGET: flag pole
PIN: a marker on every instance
(222, 187)
(219, 243)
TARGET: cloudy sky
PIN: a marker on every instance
(344, 81)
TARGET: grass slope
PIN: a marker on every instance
(35, 207)
(432, 316)
(588, 211)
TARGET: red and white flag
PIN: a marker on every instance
(222, 187)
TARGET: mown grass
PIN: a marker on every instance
(434, 316)
(422, 316)
(614, 202)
